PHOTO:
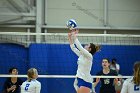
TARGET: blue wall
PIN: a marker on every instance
(12, 55)
(54, 60)
(58, 59)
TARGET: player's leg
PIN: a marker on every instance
(83, 89)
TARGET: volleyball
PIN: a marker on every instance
(71, 24)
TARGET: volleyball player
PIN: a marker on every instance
(31, 85)
(132, 85)
(84, 79)
(107, 84)
(12, 84)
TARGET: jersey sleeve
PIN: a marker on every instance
(75, 50)
(124, 87)
(38, 87)
(82, 50)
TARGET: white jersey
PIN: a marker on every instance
(31, 87)
(84, 62)
(130, 87)
(117, 66)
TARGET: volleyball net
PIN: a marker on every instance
(61, 38)
(51, 55)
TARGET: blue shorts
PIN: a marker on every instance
(81, 82)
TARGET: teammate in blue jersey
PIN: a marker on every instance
(132, 85)
(31, 85)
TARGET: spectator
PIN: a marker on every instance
(114, 65)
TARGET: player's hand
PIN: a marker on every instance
(97, 80)
(69, 34)
(76, 31)
(116, 80)
(12, 88)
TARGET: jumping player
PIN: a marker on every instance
(84, 79)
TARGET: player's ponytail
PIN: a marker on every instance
(137, 73)
(94, 48)
(31, 72)
(98, 47)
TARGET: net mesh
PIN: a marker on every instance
(56, 63)
(61, 38)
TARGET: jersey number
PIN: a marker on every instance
(27, 86)
(136, 88)
(106, 81)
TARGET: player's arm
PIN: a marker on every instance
(38, 87)
(12, 88)
(124, 87)
(117, 82)
(5, 87)
(80, 47)
(96, 82)
(72, 46)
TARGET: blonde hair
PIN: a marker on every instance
(136, 78)
(31, 72)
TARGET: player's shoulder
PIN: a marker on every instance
(25, 82)
(130, 79)
(36, 81)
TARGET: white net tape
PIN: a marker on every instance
(61, 38)
(63, 76)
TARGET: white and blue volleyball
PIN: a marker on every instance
(71, 24)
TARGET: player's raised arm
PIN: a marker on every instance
(72, 46)
(79, 46)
